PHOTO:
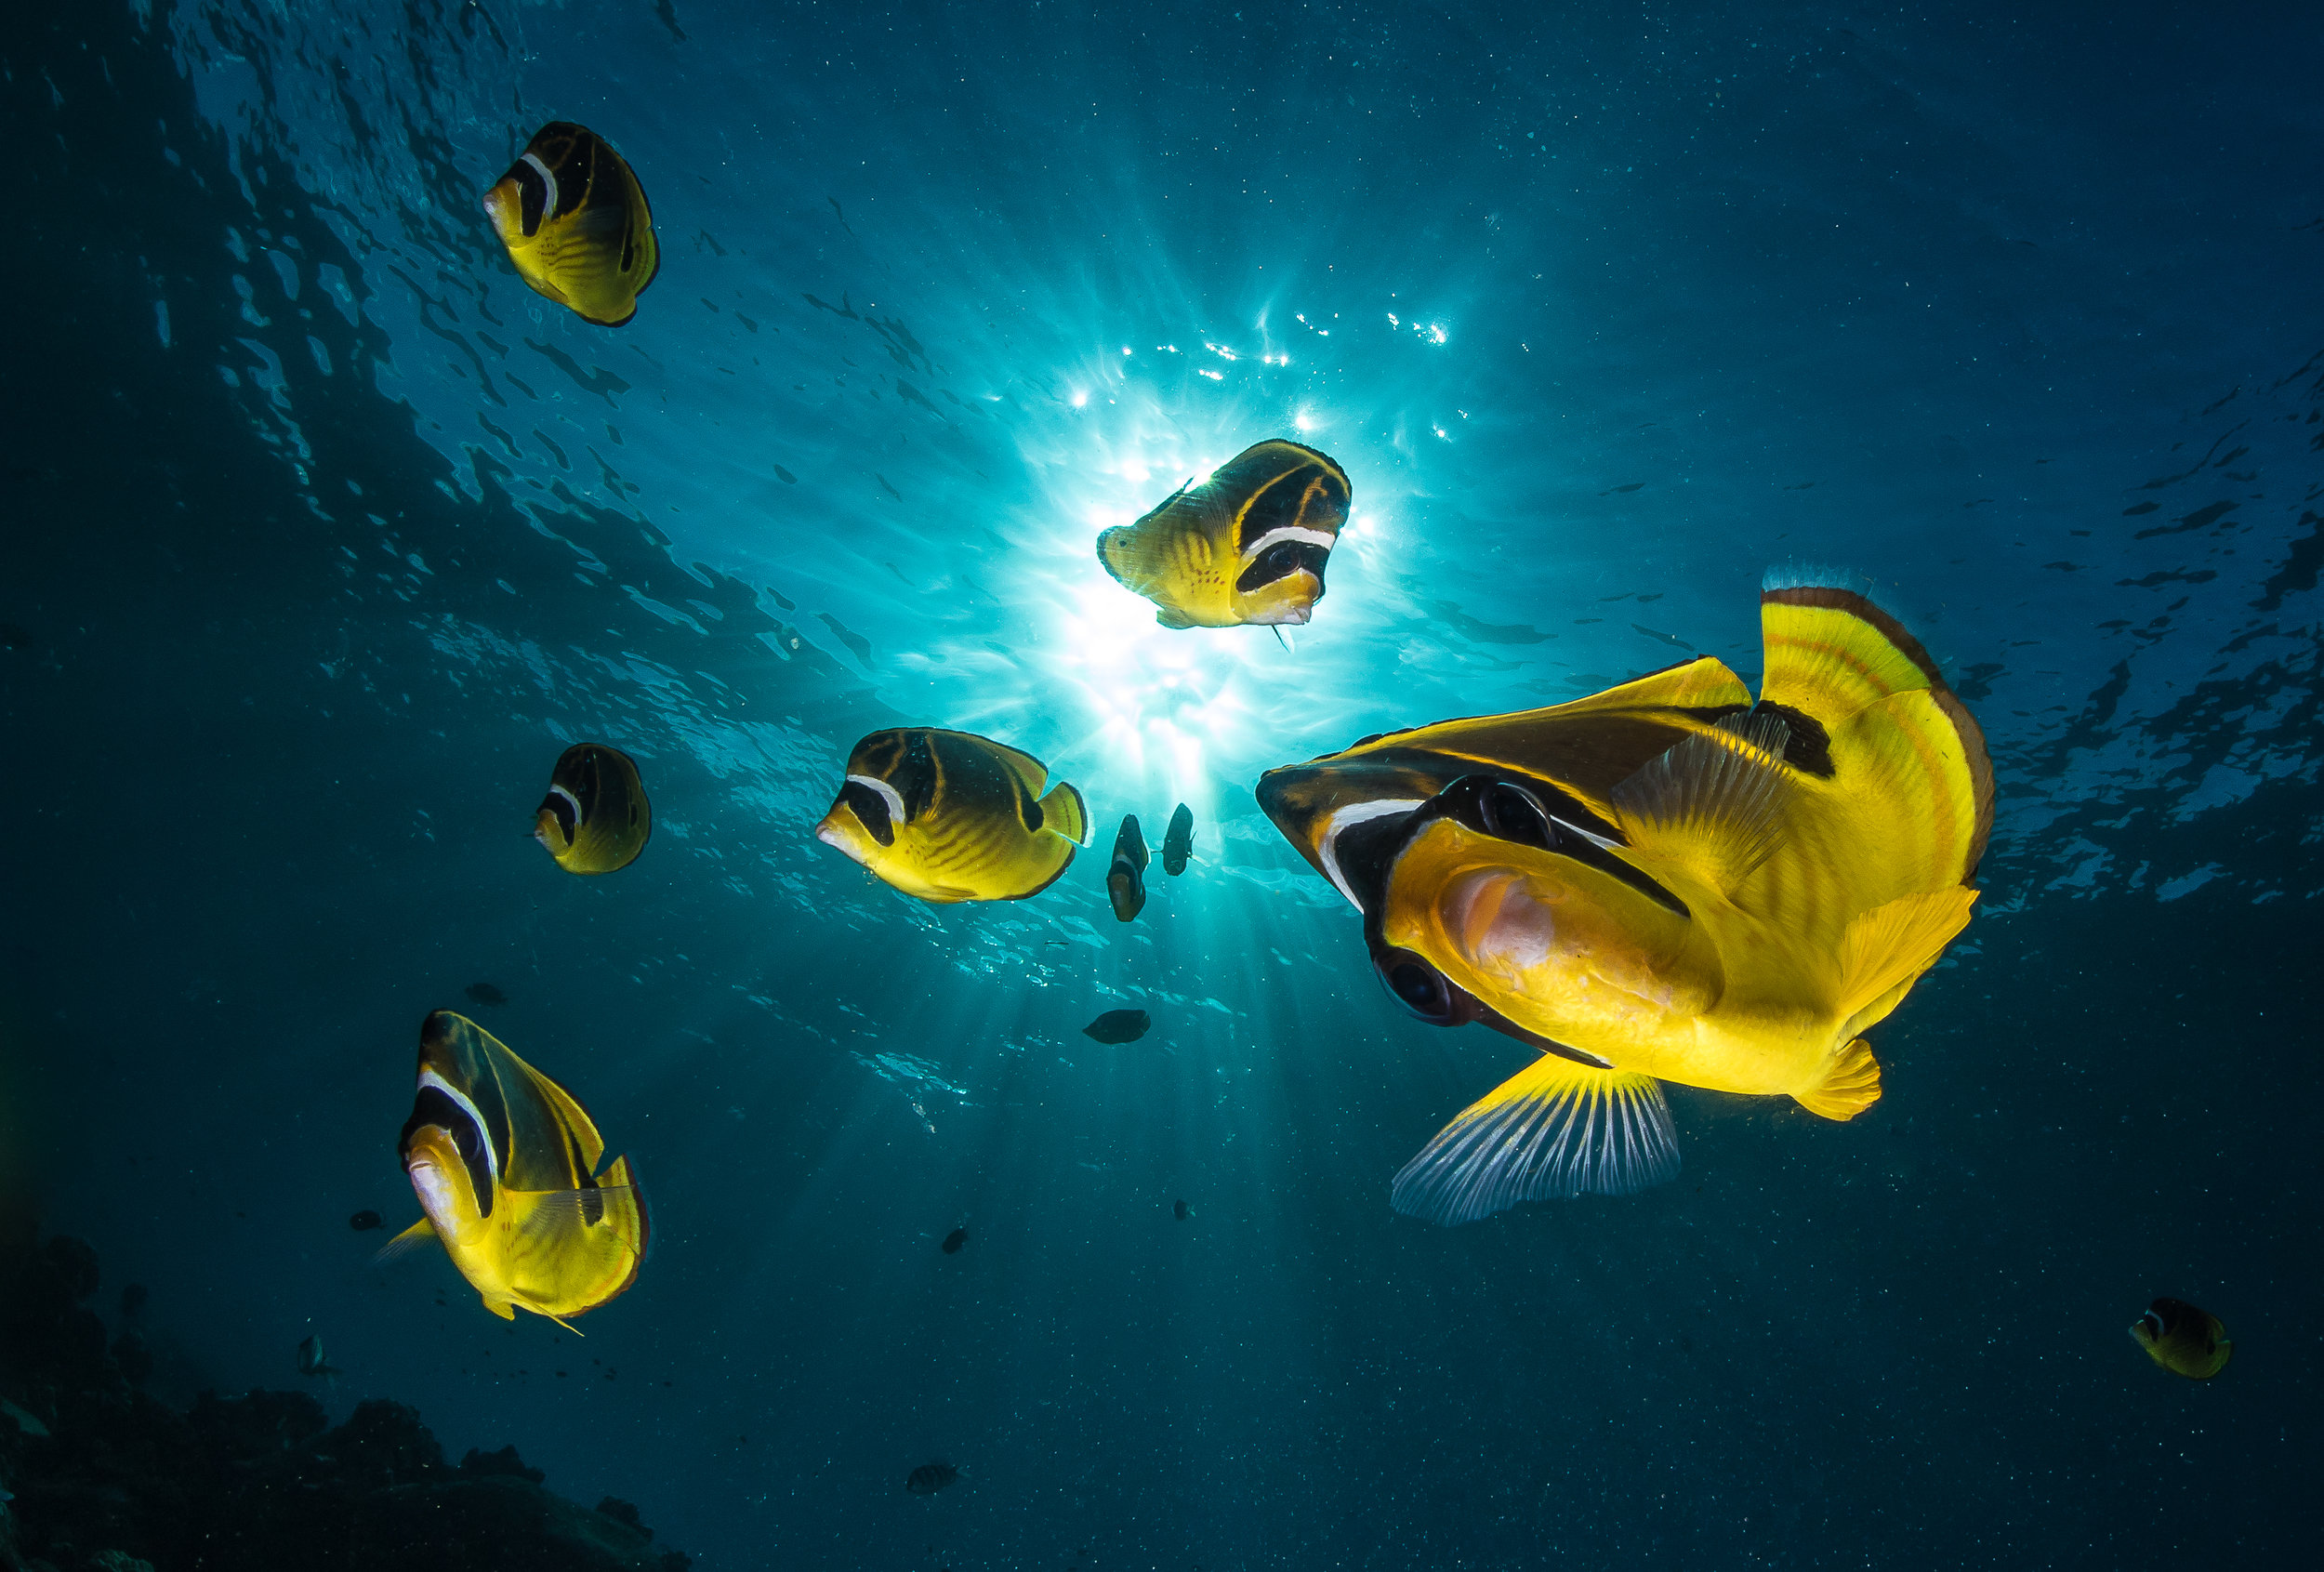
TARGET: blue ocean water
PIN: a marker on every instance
(325, 535)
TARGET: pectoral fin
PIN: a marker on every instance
(1554, 1128)
(1716, 798)
(501, 1308)
(418, 1234)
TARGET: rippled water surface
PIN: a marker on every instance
(325, 535)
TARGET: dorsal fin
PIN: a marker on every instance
(1853, 669)
(1716, 798)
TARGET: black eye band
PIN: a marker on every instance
(531, 195)
(1508, 811)
(434, 1106)
(1281, 561)
(870, 810)
(561, 807)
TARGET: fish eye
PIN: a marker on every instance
(1510, 812)
(870, 810)
(1420, 988)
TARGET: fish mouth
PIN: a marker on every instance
(830, 836)
(1288, 616)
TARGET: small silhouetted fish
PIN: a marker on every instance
(132, 1298)
(484, 993)
(954, 1241)
(1126, 880)
(1119, 1025)
(1178, 841)
(363, 1221)
(1182, 1211)
(928, 1478)
(310, 1360)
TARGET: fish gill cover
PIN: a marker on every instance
(333, 535)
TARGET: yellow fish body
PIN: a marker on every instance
(596, 818)
(2183, 1339)
(1246, 546)
(505, 1165)
(949, 816)
(1665, 881)
(575, 223)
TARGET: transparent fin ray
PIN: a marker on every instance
(1720, 793)
(1555, 1129)
(417, 1236)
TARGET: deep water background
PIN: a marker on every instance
(323, 535)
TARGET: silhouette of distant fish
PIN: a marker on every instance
(1178, 841)
(310, 1360)
(1119, 1025)
(484, 993)
(1126, 880)
(928, 1478)
(954, 1241)
(366, 1221)
(1182, 1211)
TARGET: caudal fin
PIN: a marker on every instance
(1554, 1128)
(1064, 811)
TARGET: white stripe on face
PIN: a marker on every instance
(1355, 814)
(574, 802)
(1289, 532)
(491, 1159)
(888, 794)
(1598, 841)
(549, 203)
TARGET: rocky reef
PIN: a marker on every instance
(97, 1476)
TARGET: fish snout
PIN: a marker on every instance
(837, 838)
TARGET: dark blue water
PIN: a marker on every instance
(325, 535)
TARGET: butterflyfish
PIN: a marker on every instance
(928, 1478)
(1126, 880)
(1117, 1026)
(505, 1162)
(595, 818)
(2183, 1339)
(947, 816)
(311, 1359)
(1666, 882)
(575, 223)
(1248, 546)
(1178, 841)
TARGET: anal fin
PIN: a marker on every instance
(1554, 1128)
(1850, 1084)
(501, 1308)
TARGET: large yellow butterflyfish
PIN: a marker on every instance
(1248, 546)
(575, 223)
(505, 1165)
(1666, 882)
(949, 816)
